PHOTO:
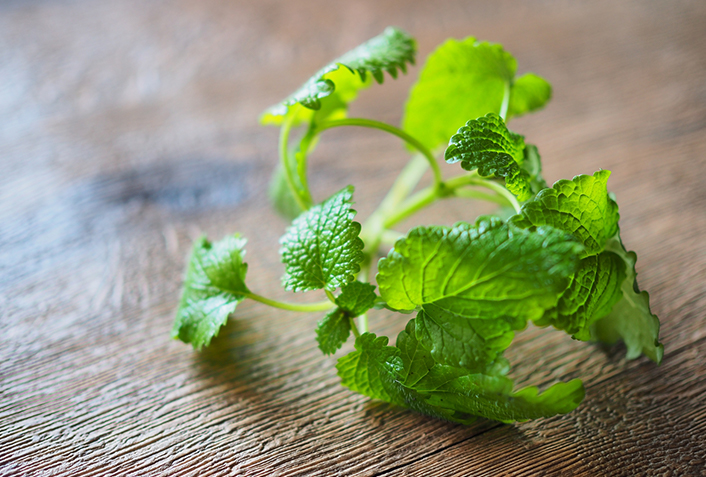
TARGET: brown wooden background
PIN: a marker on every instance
(129, 128)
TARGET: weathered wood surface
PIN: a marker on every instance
(129, 128)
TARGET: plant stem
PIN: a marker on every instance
(370, 123)
(330, 296)
(363, 322)
(354, 328)
(401, 188)
(506, 101)
(284, 158)
(303, 307)
(415, 203)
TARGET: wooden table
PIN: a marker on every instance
(128, 128)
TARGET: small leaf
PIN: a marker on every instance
(333, 330)
(580, 207)
(461, 79)
(593, 291)
(372, 369)
(336, 84)
(356, 298)
(321, 248)
(529, 92)
(631, 318)
(214, 285)
(487, 145)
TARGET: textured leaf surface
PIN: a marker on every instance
(580, 207)
(336, 84)
(417, 359)
(492, 397)
(631, 318)
(321, 248)
(461, 79)
(487, 145)
(472, 344)
(372, 369)
(356, 298)
(486, 270)
(214, 285)
(529, 92)
(333, 330)
(593, 291)
(457, 395)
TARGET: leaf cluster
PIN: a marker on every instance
(556, 260)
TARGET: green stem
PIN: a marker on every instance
(330, 296)
(427, 196)
(506, 101)
(303, 307)
(401, 188)
(415, 203)
(363, 322)
(286, 163)
(370, 123)
(473, 179)
(354, 328)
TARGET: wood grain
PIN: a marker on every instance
(130, 128)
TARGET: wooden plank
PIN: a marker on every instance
(130, 129)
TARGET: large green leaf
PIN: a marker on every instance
(580, 207)
(214, 285)
(486, 270)
(465, 79)
(487, 145)
(476, 284)
(593, 291)
(631, 318)
(327, 94)
(321, 248)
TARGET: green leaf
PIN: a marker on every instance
(321, 248)
(460, 80)
(593, 291)
(214, 285)
(372, 369)
(529, 92)
(487, 270)
(580, 207)
(455, 394)
(333, 330)
(335, 85)
(492, 397)
(356, 298)
(417, 360)
(472, 344)
(467, 79)
(631, 318)
(487, 145)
